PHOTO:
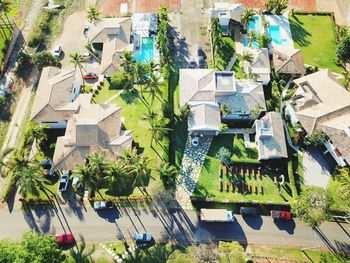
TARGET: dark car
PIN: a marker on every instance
(192, 62)
(201, 62)
(200, 52)
(89, 75)
(46, 165)
(65, 239)
(244, 210)
(277, 214)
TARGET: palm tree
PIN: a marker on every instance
(3, 158)
(344, 179)
(252, 37)
(152, 87)
(281, 6)
(247, 16)
(99, 165)
(86, 178)
(81, 255)
(126, 61)
(152, 67)
(93, 13)
(18, 161)
(225, 109)
(158, 128)
(163, 13)
(77, 60)
(168, 174)
(140, 71)
(216, 34)
(30, 179)
(5, 7)
(34, 132)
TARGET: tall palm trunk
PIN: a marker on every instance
(9, 24)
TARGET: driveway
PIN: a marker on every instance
(316, 169)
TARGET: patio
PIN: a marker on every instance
(279, 30)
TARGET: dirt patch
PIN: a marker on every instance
(252, 3)
(112, 7)
(302, 5)
(152, 6)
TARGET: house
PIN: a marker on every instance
(288, 61)
(270, 137)
(321, 103)
(110, 37)
(210, 89)
(260, 65)
(95, 127)
(144, 24)
(228, 15)
(56, 95)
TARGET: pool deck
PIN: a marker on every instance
(283, 22)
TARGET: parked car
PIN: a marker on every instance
(65, 239)
(64, 180)
(85, 55)
(201, 62)
(99, 205)
(200, 52)
(192, 62)
(277, 214)
(89, 75)
(143, 237)
(195, 141)
(86, 29)
(244, 210)
(57, 51)
(46, 165)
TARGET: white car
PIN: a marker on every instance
(143, 237)
(57, 51)
(85, 55)
(100, 205)
(64, 180)
(195, 141)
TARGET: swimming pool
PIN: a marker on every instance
(255, 44)
(275, 34)
(254, 25)
(146, 53)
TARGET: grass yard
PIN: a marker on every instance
(208, 185)
(5, 33)
(295, 254)
(223, 57)
(239, 72)
(314, 35)
(105, 93)
(51, 188)
(133, 112)
(339, 204)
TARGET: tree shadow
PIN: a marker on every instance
(288, 226)
(254, 222)
(129, 96)
(300, 34)
(110, 215)
(40, 220)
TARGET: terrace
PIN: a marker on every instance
(279, 31)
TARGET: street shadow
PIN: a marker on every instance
(341, 226)
(288, 226)
(39, 220)
(11, 199)
(343, 248)
(254, 222)
(325, 240)
(110, 215)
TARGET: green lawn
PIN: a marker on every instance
(295, 254)
(51, 189)
(235, 144)
(224, 55)
(314, 35)
(208, 185)
(5, 31)
(338, 204)
(133, 112)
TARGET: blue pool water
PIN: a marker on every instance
(245, 43)
(254, 25)
(275, 34)
(147, 50)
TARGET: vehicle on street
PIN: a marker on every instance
(85, 55)
(86, 29)
(277, 214)
(244, 210)
(143, 237)
(192, 62)
(216, 215)
(64, 180)
(65, 239)
(195, 141)
(100, 205)
(57, 51)
(89, 75)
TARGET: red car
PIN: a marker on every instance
(89, 75)
(276, 214)
(65, 239)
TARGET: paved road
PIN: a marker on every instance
(182, 226)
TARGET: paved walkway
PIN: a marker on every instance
(192, 163)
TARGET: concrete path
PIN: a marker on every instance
(191, 168)
(231, 62)
(316, 169)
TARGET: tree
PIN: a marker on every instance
(343, 177)
(184, 111)
(224, 155)
(5, 7)
(225, 109)
(343, 49)
(270, 5)
(168, 174)
(126, 61)
(81, 255)
(86, 178)
(45, 59)
(18, 160)
(23, 61)
(77, 61)
(34, 132)
(30, 180)
(206, 253)
(264, 40)
(252, 38)
(158, 128)
(152, 87)
(341, 32)
(246, 56)
(231, 252)
(163, 13)
(312, 206)
(281, 5)
(216, 35)
(120, 80)
(93, 13)
(140, 71)
(315, 139)
(247, 16)
(3, 157)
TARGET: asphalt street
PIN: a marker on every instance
(183, 226)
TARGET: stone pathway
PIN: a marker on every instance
(231, 63)
(191, 167)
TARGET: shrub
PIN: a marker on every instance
(23, 64)
(292, 179)
(8, 188)
(224, 155)
(120, 80)
(45, 59)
